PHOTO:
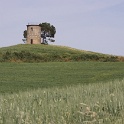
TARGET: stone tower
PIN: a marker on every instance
(33, 34)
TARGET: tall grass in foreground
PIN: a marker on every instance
(98, 103)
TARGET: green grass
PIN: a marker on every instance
(39, 49)
(16, 77)
(46, 91)
(50, 53)
(96, 103)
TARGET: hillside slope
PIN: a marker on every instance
(49, 53)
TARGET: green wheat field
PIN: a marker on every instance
(99, 103)
(69, 90)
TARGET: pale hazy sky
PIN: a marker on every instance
(92, 25)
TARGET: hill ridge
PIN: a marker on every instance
(52, 53)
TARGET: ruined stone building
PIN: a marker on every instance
(33, 34)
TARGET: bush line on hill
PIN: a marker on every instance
(25, 56)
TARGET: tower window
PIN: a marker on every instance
(31, 28)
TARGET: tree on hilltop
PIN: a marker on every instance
(47, 31)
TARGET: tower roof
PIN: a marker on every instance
(32, 25)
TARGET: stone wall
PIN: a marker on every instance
(33, 34)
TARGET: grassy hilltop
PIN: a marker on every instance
(51, 53)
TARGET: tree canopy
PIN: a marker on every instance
(47, 29)
(25, 33)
